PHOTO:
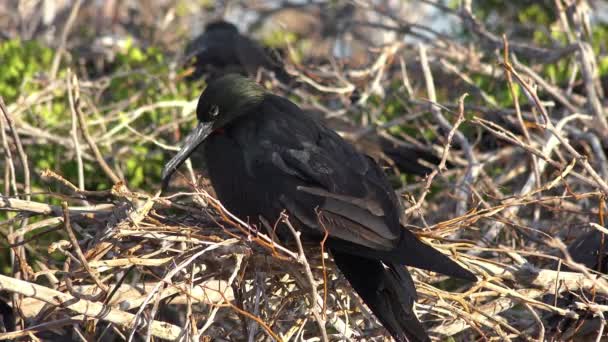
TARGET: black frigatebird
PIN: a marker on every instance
(221, 49)
(265, 155)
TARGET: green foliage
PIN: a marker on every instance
(136, 73)
(538, 12)
(21, 61)
(136, 67)
(603, 66)
(144, 71)
(600, 39)
(279, 38)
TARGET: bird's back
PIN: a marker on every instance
(221, 49)
(276, 150)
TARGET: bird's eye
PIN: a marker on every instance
(214, 111)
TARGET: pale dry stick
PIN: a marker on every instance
(312, 283)
(40, 328)
(122, 262)
(563, 20)
(381, 129)
(43, 137)
(541, 284)
(549, 125)
(520, 120)
(81, 306)
(20, 151)
(588, 64)
(263, 237)
(209, 321)
(463, 56)
(17, 205)
(19, 260)
(190, 326)
(596, 146)
(541, 326)
(337, 323)
(473, 166)
(160, 236)
(138, 317)
(380, 65)
(152, 314)
(480, 316)
(513, 211)
(596, 226)
(405, 78)
(50, 222)
(63, 39)
(13, 204)
(572, 79)
(78, 333)
(87, 137)
(70, 189)
(204, 295)
(152, 140)
(444, 157)
(187, 108)
(448, 66)
(76, 246)
(45, 95)
(74, 130)
(346, 89)
(10, 177)
(591, 306)
(542, 278)
(339, 72)
(510, 137)
(553, 91)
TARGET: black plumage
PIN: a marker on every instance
(221, 49)
(7, 317)
(264, 155)
(591, 250)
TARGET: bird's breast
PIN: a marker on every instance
(241, 183)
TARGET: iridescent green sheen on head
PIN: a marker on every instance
(228, 97)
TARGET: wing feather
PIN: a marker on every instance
(346, 186)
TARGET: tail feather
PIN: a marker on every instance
(418, 254)
(411, 252)
(388, 290)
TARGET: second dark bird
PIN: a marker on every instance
(222, 49)
(264, 155)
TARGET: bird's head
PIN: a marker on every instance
(227, 98)
(221, 25)
(224, 100)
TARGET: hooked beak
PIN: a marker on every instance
(192, 141)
